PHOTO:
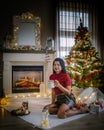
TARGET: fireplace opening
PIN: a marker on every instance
(27, 78)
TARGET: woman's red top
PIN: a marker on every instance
(63, 79)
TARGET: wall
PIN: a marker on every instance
(42, 8)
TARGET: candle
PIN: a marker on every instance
(42, 89)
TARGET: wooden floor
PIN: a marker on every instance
(90, 122)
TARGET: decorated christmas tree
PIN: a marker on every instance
(83, 63)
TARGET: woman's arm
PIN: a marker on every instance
(53, 96)
(66, 90)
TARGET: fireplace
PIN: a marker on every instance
(29, 68)
(27, 78)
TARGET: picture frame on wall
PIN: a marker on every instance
(50, 43)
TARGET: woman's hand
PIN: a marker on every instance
(57, 84)
(66, 90)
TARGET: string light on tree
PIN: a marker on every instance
(83, 63)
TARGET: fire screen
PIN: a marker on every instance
(26, 78)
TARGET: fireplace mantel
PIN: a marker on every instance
(28, 51)
(25, 58)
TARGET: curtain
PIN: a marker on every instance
(88, 12)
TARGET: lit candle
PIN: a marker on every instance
(42, 89)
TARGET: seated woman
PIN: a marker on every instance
(63, 101)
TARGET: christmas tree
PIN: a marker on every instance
(83, 63)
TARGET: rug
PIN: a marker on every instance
(35, 116)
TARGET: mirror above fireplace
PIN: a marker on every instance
(26, 32)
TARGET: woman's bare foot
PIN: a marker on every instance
(84, 109)
(80, 105)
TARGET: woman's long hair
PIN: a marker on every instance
(62, 63)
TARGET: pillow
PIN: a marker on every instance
(88, 96)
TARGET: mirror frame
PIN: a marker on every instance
(26, 18)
